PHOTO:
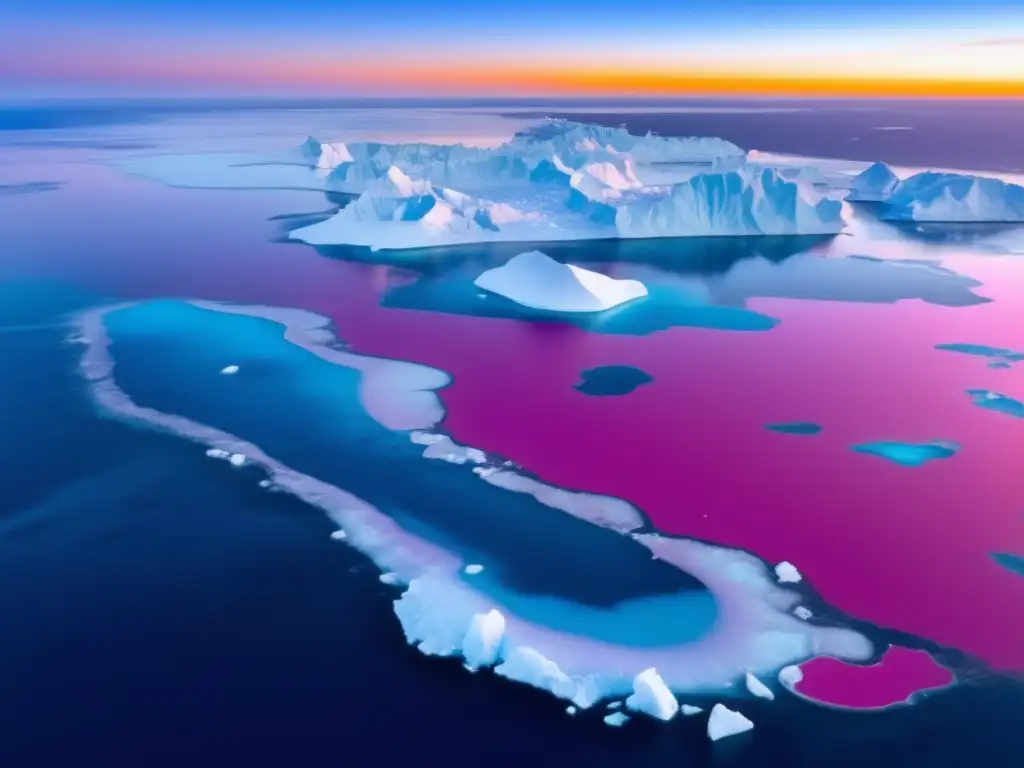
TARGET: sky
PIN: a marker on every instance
(512, 48)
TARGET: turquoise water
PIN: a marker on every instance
(305, 412)
(998, 402)
(908, 454)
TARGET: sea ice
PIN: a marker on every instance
(725, 722)
(873, 184)
(790, 676)
(535, 280)
(689, 709)
(758, 688)
(652, 696)
(527, 665)
(218, 453)
(390, 578)
(955, 197)
(802, 613)
(229, 370)
(237, 459)
(339, 535)
(482, 643)
(570, 710)
(616, 719)
(787, 573)
(473, 568)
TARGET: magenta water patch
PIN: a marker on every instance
(894, 679)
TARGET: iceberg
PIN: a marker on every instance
(955, 197)
(537, 281)
(787, 573)
(874, 184)
(725, 722)
(229, 370)
(482, 643)
(651, 696)
(748, 201)
(758, 688)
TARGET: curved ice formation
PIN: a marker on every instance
(535, 280)
(651, 696)
(873, 184)
(725, 722)
(748, 201)
(441, 613)
(757, 688)
(955, 197)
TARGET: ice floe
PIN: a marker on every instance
(616, 719)
(443, 614)
(535, 280)
(237, 459)
(725, 722)
(229, 370)
(757, 688)
(651, 696)
(787, 573)
(473, 569)
(688, 710)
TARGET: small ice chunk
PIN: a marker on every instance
(616, 719)
(528, 665)
(570, 710)
(265, 483)
(791, 675)
(389, 578)
(482, 643)
(689, 709)
(787, 573)
(237, 459)
(473, 569)
(803, 613)
(725, 722)
(652, 696)
(229, 370)
(218, 453)
(339, 535)
(615, 705)
(758, 688)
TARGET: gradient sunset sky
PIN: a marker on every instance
(514, 48)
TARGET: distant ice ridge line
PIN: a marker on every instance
(442, 614)
(955, 198)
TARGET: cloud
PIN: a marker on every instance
(998, 41)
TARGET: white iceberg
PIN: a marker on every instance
(725, 722)
(482, 643)
(537, 281)
(229, 370)
(873, 184)
(955, 197)
(651, 696)
(787, 573)
(237, 459)
(747, 201)
(758, 688)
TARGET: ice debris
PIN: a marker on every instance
(652, 696)
(725, 722)
(616, 719)
(237, 459)
(482, 644)
(473, 569)
(229, 370)
(689, 710)
(757, 688)
(791, 675)
(787, 573)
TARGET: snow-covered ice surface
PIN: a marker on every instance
(440, 611)
(535, 280)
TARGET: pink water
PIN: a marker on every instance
(905, 548)
(898, 675)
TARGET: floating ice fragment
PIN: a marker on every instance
(616, 719)
(652, 696)
(758, 688)
(484, 639)
(229, 370)
(389, 578)
(473, 568)
(689, 709)
(217, 453)
(339, 535)
(570, 710)
(237, 459)
(527, 665)
(802, 613)
(265, 483)
(791, 675)
(787, 573)
(725, 722)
